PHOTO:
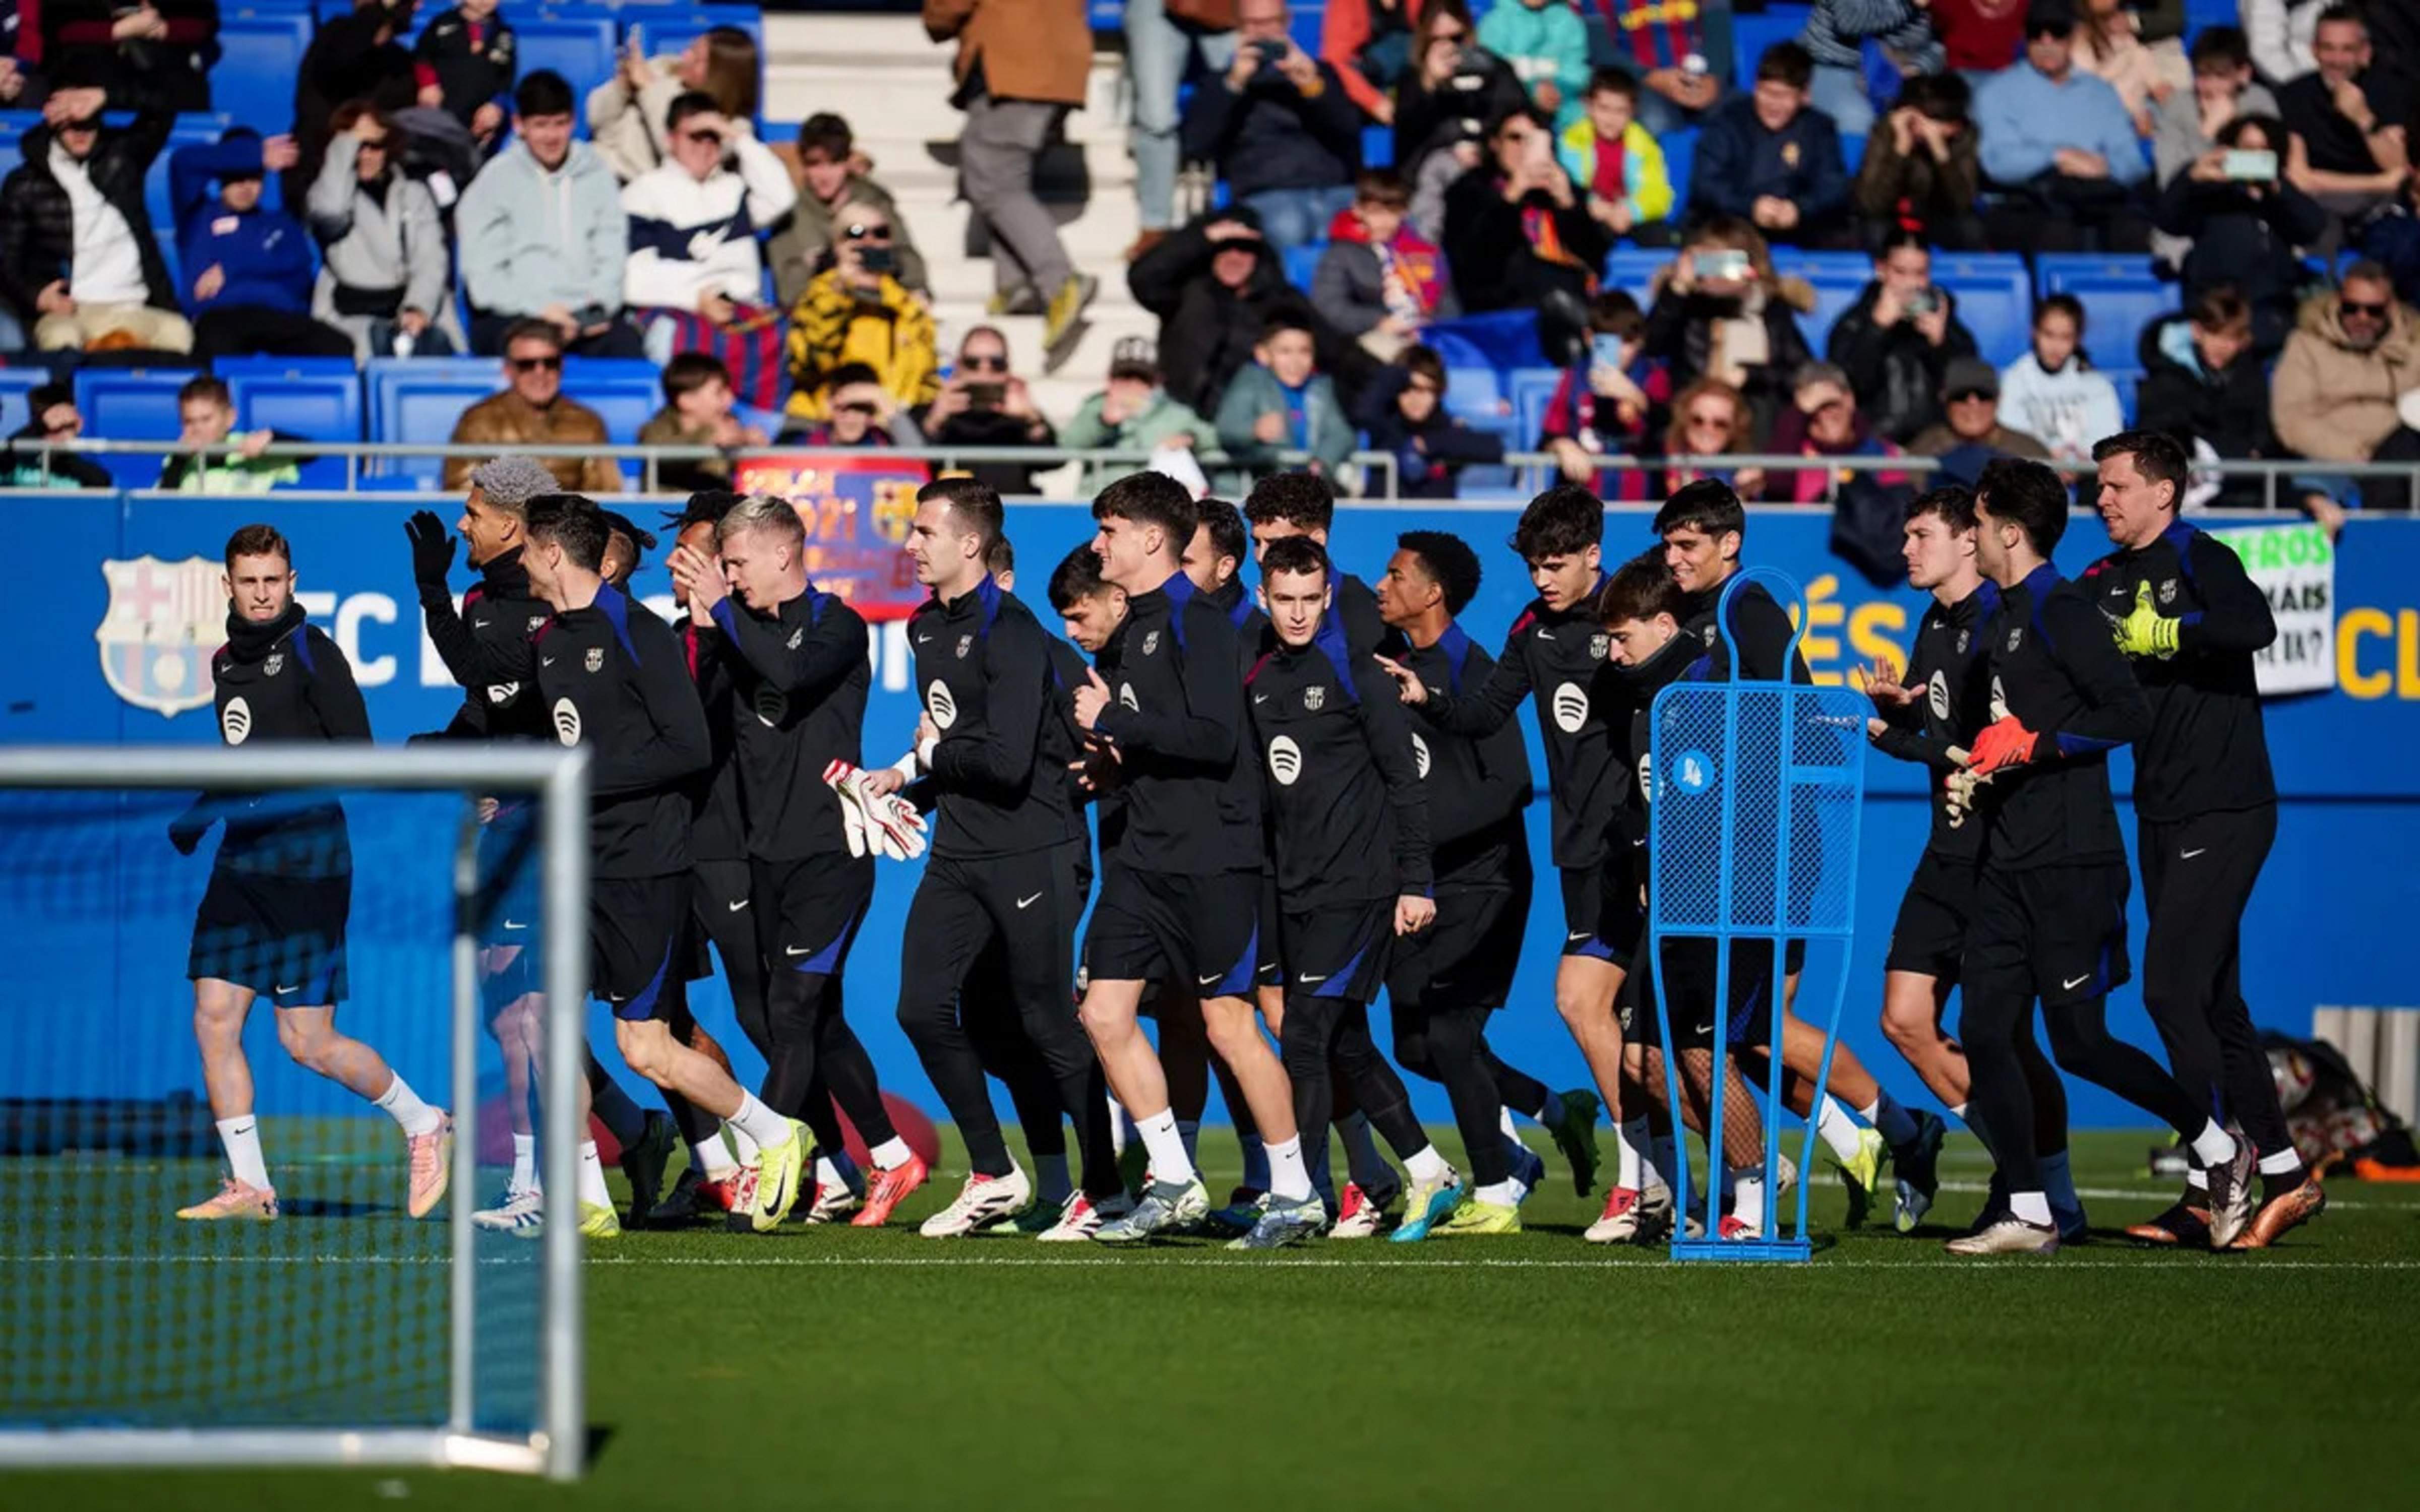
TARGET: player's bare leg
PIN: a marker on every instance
(1585, 989)
(654, 1052)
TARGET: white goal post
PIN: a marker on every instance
(54, 1426)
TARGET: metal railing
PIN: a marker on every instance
(1380, 477)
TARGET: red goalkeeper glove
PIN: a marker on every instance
(2006, 742)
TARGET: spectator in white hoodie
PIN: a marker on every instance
(2052, 393)
(695, 219)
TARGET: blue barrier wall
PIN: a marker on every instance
(2329, 925)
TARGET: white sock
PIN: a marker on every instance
(1512, 1130)
(743, 1148)
(1120, 1127)
(1189, 1131)
(1628, 1137)
(405, 1107)
(1050, 1175)
(759, 1122)
(2213, 1145)
(241, 1138)
(837, 1171)
(2033, 1206)
(1368, 1168)
(1504, 1194)
(2059, 1181)
(892, 1153)
(712, 1158)
(591, 1176)
(1426, 1164)
(2285, 1160)
(1839, 1134)
(1289, 1178)
(1958, 1111)
(524, 1163)
(1663, 1153)
(2198, 1178)
(1170, 1162)
(1747, 1195)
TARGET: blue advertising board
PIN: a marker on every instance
(119, 602)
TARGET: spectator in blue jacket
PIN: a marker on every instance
(2061, 146)
(1279, 129)
(544, 235)
(246, 268)
(1772, 160)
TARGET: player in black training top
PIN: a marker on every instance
(2190, 619)
(1702, 527)
(1448, 977)
(992, 757)
(1555, 656)
(1938, 704)
(1180, 892)
(1349, 823)
(613, 678)
(2050, 900)
(271, 922)
(797, 659)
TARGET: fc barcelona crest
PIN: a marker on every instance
(1313, 697)
(1599, 645)
(595, 660)
(164, 619)
(273, 665)
(966, 643)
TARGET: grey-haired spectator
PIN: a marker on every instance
(832, 175)
(544, 235)
(387, 279)
(2352, 353)
(1133, 413)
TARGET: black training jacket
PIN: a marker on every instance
(2056, 669)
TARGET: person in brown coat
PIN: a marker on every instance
(532, 412)
(2352, 354)
(1021, 65)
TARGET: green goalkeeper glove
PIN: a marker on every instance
(2147, 632)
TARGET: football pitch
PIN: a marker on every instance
(846, 1369)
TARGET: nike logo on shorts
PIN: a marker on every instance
(1576, 937)
(1306, 978)
(283, 988)
(2071, 986)
(2188, 856)
(740, 904)
(1210, 980)
(795, 949)
(1028, 903)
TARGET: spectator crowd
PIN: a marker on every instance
(432, 197)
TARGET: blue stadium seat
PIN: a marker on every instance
(1994, 297)
(131, 404)
(1634, 269)
(624, 391)
(1472, 391)
(1853, 152)
(1839, 278)
(1752, 34)
(2124, 381)
(1530, 389)
(16, 383)
(1500, 341)
(1302, 262)
(1680, 160)
(1303, 20)
(318, 397)
(2120, 296)
(1377, 146)
(1106, 15)
(418, 399)
(260, 56)
(577, 43)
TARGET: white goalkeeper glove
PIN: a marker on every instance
(881, 823)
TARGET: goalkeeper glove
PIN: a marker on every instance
(432, 549)
(2147, 632)
(875, 823)
(2005, 744)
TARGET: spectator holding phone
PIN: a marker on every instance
(627, 113)
(983, 403)
(1721, 311)
(832, 175)
(543, 233)
(1454, 88)
(1606, 406)
(1279, 129)
(1774, 160)
(1924, 167)
(1897, 341)
(2186, 124)
(2246, 224)
(1518, 234)
(856, 313)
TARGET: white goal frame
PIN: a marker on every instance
(559, 778)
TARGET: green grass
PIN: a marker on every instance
(844, 1369)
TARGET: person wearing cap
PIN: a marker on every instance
(246, 268)
(79, 260)
(2062, 146)
(1214, 283)
(1971, 432)
(1133, 413)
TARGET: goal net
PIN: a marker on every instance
(207, 1178)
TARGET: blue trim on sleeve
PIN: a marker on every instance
(618, 614)
(1456, 646)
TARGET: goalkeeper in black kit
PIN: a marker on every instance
(2190, 620)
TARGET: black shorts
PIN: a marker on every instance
(1602, 918)
(284, 937)
(1338, 951)
(1467, 957)
(1269, 971)
(2054, 933)
(1204, 931)
(1931, 933)
(637, 931)
(723, 914)
(808, 912)
(1688, 985)
(512, 894)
